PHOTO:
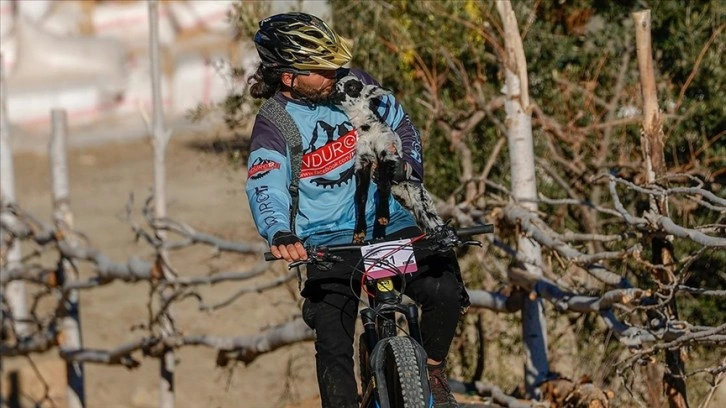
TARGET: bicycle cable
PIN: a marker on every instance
(383, 263)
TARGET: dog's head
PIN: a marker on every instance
(350, 91)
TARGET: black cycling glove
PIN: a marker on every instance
(285, 238)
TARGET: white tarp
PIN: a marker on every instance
(197, 80)
(44, 58)
(128, 22)
(66, 19)
(206, 76)
(203, 15)
(80, 74)
(137, 90)
(8, 49)
(48, 63)
(320, 8)
(33, 10)
(84, 103)
(6, 18)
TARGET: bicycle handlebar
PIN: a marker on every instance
(460, 233)
(269, 257)
(475, 230)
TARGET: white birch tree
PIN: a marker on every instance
(652, 141)
(14, 292)
(524, 190)
(159, 140)
(63, 219)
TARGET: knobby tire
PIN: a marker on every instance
(402, 375)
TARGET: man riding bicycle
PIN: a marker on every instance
(300, 189)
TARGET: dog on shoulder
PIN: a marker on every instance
(378, 149)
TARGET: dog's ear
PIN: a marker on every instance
(377, 92)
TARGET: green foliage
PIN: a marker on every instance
(570, 46)
(706, 272)
(443, 60)
(244, 17)
(425, 57)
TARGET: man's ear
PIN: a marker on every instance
(286, 79)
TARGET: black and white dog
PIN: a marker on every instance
(379, 145)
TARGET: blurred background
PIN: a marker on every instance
(91, 58)
(443, 59)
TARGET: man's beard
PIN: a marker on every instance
(311, 94)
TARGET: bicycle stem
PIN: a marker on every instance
(386, 303)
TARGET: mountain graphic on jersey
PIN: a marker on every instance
(261, 168)
(338, 150)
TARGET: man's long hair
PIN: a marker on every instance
(264, 82)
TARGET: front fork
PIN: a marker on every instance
(383, 305)
(379, 322)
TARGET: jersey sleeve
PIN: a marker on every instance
(390, 111)
(268, 179)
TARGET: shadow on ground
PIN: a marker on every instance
(235, 148)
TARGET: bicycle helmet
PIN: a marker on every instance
(299, 42)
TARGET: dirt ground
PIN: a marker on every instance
(207, 193)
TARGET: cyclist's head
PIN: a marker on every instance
(299, 43)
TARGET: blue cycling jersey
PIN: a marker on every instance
(326, 212)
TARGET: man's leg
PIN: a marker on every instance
(438, 291)
(332, 314)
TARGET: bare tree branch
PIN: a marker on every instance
(498, 396)
(247, 349)
(541, 233)
(195, 237)
(244, 348)
(253, 289)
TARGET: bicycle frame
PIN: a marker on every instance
(380, 331)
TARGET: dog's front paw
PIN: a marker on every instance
(359, 237)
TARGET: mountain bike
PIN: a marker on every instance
(392, 360)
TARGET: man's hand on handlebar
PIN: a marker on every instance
(288, 246)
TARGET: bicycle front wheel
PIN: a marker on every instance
(406, 382)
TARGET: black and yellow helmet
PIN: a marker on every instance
(300, 42)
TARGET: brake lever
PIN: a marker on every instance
(447, 244)
(322, 254)
(315, 256)
(298, 263)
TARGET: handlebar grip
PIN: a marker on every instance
(270, 257)
(475, 230)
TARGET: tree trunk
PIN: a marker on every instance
(63, 217)
(160, 139)
(652, 141)
(524, 191)
(14, 291)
